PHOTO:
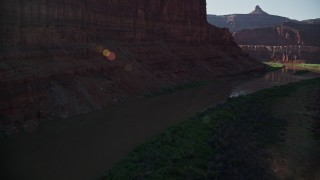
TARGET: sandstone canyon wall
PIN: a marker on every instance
(47, 23)
(284, 54)
(287, 34)
(51, 62)
(298, 42)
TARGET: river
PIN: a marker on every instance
(85, 146)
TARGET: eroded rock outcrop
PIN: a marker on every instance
(284, 54)
(298, 42)
(287, 34)
(51, 62)
(258, 11)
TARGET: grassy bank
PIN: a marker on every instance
(310, 66)
(227, 141)
(273, 66)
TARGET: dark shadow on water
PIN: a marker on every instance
(85, 146)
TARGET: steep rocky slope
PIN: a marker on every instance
(256, 19)
(289, 42)
(52, 63)
(258, 11)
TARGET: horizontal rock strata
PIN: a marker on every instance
(291, 42)
(51, 62)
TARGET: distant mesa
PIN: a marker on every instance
(312, 21)
(272, 37)
(259, 11)
(256, 19)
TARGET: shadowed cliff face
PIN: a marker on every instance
(42, 28)
(41, 22)
(52, 63)
(289, 42)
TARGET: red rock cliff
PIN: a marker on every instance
(297, 42)
(288, 34)
(41, 22)
(51, 64)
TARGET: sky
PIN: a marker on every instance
(293, 9)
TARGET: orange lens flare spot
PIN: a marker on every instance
(112, 56)
(106, 53)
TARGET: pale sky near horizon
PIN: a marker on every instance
(293, 9)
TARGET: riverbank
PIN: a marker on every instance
(272, 66)
(248, 137)
(85, 146)
(310, 66)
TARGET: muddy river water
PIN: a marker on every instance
(85, 146)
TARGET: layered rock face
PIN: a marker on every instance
(289, 42)
(48, 23)
(284, 54)
(288, 34)
(51, 62)
(256, 19)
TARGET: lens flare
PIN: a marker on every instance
(106, 52)
(112, 56)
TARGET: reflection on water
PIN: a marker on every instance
(296, 68)
(276, 78)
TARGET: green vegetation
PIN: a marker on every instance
(273, 66)
(177, 88)
(300, 72)
(229, 140)
(300, 151)
(310, 66)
